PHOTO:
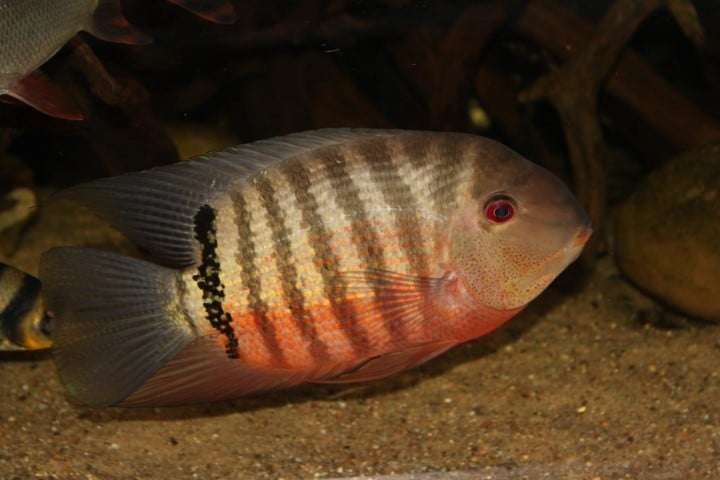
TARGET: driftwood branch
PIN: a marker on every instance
(573, 89)
(633, 81)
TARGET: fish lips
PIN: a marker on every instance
(558, 262)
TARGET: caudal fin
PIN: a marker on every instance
(116, 321)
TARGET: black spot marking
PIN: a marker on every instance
(208, 278)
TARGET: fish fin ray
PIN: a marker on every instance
(156, 208)
(109, 24)
(252, 157)
(112, 325)
(203, 372)
(390, 363)
(218, 11)
(405, 302)
(38, 91)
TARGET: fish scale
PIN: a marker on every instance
(328, 256)
(293, 261)
(42, 35)
(278, 233)
(352, 178)
(316, 234)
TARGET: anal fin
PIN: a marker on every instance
(202, 372)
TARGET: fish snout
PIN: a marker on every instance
(582, 235)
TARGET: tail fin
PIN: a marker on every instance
(117, 320)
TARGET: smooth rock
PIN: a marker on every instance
(667, 234)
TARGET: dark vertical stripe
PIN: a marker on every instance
(404, 206)
(447, 169)
(285, 264)
(25, 294)
(363, 234)
(208, 278)
(325, 259)
(247, 259)
(398, 195)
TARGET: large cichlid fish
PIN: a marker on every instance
(32, 31)
(326, 256)
(24, 324)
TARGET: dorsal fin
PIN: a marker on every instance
(156, 208)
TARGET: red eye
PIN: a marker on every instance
(499, 210)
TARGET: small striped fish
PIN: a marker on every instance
(326, 256)
(23, 323)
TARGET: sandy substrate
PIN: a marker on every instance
(577, 386)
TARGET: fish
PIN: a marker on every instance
(328, 256)
(24, 324)
(218, 11)
(32, 31)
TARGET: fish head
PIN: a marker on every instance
(35, 328)
(518, 228)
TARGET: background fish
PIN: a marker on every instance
(327, 256)
(32, 31)
(23, 323)
(218, 11)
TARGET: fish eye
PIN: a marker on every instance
(499, 209)
(47, 324)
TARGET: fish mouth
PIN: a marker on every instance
(557, 263)
(582, 235)
(575, 247)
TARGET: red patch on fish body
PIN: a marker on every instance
(451, 316)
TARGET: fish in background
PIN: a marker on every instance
(24, 325)
(331, 256)
(32, 31)
(218, 11)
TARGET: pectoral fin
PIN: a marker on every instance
(405, 303)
